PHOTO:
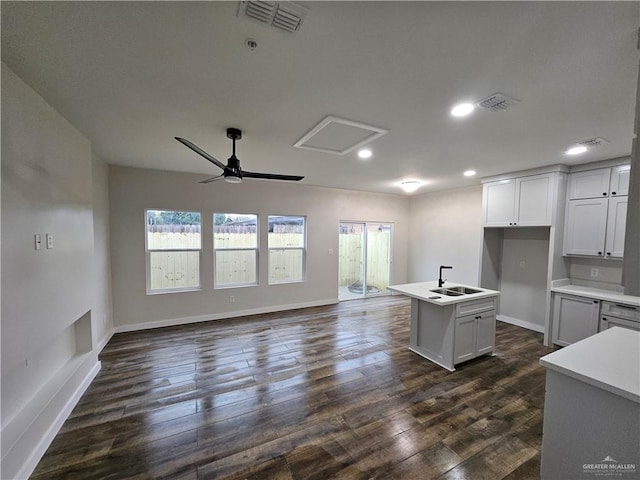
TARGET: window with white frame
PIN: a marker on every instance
(287, 248)
(235, 245)
(173, 246)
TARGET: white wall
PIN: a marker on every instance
(48, 295)
(523, 284)
(102, 307)
(445, 229)
(134, 190)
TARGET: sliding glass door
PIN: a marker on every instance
(364, 259)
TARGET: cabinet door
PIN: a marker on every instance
(574, 318)
(585, 227)
(464, 347)
(589, 184)
(499, 203)
(485, 333)
(616, 222)
(533, 200)
(619, 184)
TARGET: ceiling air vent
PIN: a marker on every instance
(593, 142)
(286, 16)
(498, 102)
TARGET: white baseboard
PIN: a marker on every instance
(521, 323)
(221, 316)
(102, 343)
(22, 458)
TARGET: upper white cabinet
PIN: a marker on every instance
(521, 201)
(599, 183)
(596, 212)
(589, 184)
(586, 225)
(616, 223)
(619, 184)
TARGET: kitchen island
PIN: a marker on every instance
(592, 408)
(450, 324)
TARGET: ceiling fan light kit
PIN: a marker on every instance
(231, 172)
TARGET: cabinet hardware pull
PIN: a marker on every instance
(608, 253)
(613, 193)
(629, 307)
(604, 193)
(595, 301)
(599, 253)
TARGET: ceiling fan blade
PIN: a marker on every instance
(270, 176)
(201, 152)
(212, 179)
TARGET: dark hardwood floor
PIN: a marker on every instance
(318, 393)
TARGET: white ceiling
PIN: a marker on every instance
(132, 75)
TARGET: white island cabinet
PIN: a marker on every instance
(450, 329)
(591, 423)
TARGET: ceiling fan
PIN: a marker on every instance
(231, 172)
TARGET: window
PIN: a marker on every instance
(173, 251)
(235, 245)
(287, 244)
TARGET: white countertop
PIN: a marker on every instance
(609, 360)
(598, 294)
(422, 291)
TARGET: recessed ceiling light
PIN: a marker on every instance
(577, 150)
(462, 109)
(364, 153)
(410, 185)
(469, 173)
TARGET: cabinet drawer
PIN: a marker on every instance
(619, 310)
(475, 306)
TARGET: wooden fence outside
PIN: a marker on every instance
(182, 269)
(351, 258)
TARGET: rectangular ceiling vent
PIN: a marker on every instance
(498, 102)
(286, 16)
(593, 142)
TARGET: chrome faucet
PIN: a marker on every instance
(440, 280)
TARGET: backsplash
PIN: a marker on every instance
(596, 272)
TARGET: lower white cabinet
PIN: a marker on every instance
(475, 333)
(574, 318)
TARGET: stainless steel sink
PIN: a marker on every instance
(446, 291)
(464, 290)
(455, 291)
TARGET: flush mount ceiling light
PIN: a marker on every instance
(577, 150)
(462, 109)
(364, 153)
(469, 173)
(410, 185)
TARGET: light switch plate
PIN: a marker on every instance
(37, 239)
(49, 241)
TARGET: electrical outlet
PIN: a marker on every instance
(330, 251)
(232, 299)
(595, 272)
(49, 240)
(522, 264)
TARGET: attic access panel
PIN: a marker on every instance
(339, 136)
